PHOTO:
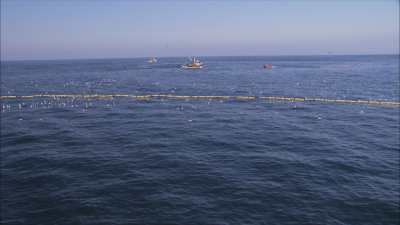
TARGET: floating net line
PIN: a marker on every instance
(204, 97)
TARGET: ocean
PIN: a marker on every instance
(123, 160)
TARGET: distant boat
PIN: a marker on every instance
(267, 66)
(152, 60)
(195, 64)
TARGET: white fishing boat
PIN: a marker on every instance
(152, 60)
(195, 64)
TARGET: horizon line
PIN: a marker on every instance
(207, 56)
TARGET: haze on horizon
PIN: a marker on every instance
(124, 29)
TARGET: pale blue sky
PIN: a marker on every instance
(107, 29)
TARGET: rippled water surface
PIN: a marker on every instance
(200, 161)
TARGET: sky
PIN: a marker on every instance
(44, 29)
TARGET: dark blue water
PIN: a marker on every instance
(177, 161)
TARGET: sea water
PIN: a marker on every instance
(201, 161)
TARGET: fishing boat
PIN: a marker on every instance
(267, 66)
(152, 60)
(194, 64)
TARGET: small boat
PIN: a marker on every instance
(195, 64)
(267, 66)
(152, 60)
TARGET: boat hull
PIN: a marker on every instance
(191, 67)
